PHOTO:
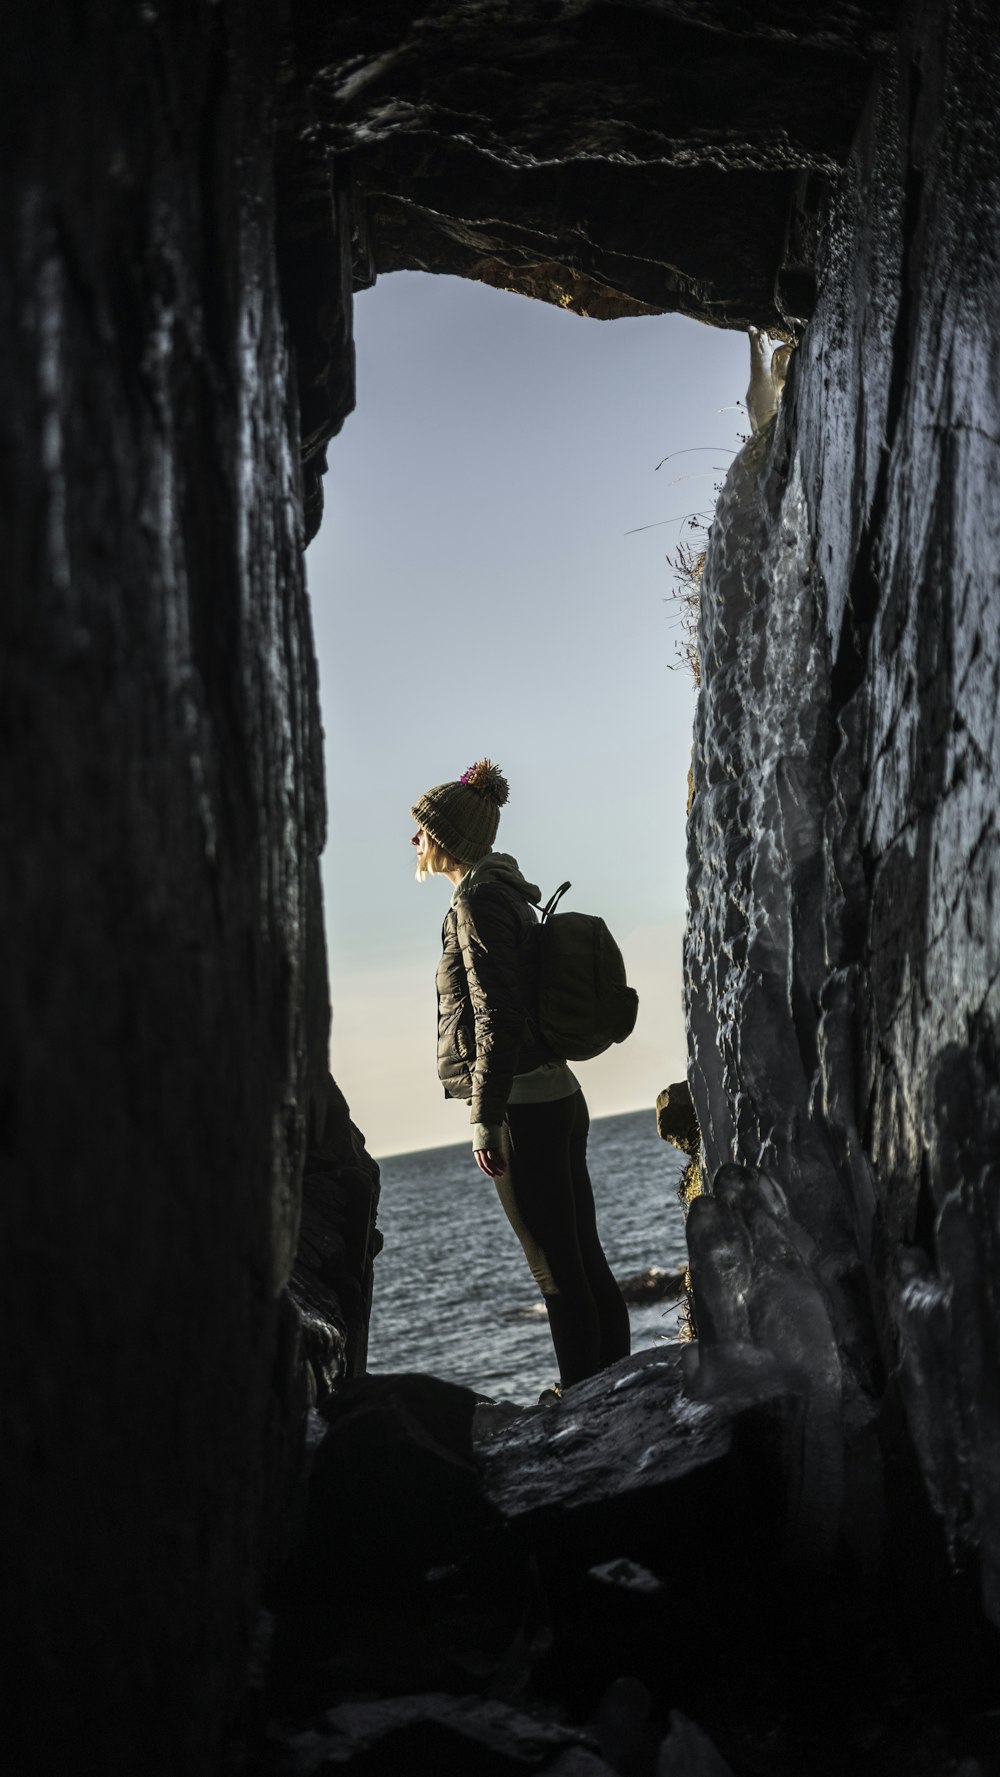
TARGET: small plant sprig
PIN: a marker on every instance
(687, 564)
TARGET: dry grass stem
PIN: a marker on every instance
(687, 564)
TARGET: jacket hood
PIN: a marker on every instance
(499, 866)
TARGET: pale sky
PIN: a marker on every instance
(475, 593)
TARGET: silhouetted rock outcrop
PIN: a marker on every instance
(331, 1284)
(676, 1119)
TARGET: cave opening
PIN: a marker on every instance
(492, 577)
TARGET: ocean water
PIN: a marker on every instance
(453, 1294)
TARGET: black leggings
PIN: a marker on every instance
(548, 1200)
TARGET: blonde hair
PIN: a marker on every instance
(435, 861)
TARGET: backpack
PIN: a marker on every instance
(584, 1001)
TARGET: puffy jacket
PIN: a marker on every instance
(487, 987)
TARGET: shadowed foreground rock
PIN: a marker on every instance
(481, 1739)
(550, 1587)
(438, 1732)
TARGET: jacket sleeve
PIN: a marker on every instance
(489, 934)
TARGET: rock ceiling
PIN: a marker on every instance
(615, 157)
(612, 156)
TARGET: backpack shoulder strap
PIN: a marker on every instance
(554, 900)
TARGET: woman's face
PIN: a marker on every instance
(425, 845)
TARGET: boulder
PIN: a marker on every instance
(688, 1752)
(402, 1568)
(420, 1734)
(677, 1119)
(652, 1285)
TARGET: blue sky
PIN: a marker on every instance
(476, 592)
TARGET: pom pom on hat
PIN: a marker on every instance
(487, 778)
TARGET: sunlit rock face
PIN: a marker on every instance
(844, 946)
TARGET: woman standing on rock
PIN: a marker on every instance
(529, 1116)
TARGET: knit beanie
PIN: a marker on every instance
(463, 816)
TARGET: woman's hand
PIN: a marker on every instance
(490, 1161)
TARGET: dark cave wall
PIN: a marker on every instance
(162, 951)
(844, 946)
